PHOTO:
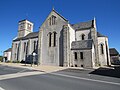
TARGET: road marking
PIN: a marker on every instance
(85, 79)
(8, 68)
(22, 70)
(16, 75)
(1, 88)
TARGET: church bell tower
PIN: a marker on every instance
(25, 27)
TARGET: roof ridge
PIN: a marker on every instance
(59, 14)
(100, 35)
(82, 22)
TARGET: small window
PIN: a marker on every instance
(81, 55)
(29, 26)
(75, 55)
(83, 37)
(82, 66)
(101, 47)
(75, 65)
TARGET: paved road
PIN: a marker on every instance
(10, 70)
(93, 74)
(57, 81)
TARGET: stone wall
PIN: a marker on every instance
(85, 32)
(87, 58)
(104, 58)
(19, 54)
(52, 55)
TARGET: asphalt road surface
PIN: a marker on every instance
(62, 80)
(10, 70)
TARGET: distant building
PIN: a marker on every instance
(119, 56)
(7, 55)
(60, 43)
(114, 56)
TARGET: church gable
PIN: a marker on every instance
(51, 38)
(53, 19)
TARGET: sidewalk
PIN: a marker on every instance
(44, 68)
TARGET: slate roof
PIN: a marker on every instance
(80, 45)
(29, 36)
(113, 52)
(8, 50)
(100, 35)
(59, 15)
(83, 25)
(22, 20)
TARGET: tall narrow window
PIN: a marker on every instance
(54, 44)
(15, 55)
(16, 47)
(27, 47)
(81, 55)
(101, 47)
(37, 48)
(75, 54)
(34, 45)
(52, 20)
(50, 34)
(83, 37)
(37, 44)
(24, 46)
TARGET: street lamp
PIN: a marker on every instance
(33, 60)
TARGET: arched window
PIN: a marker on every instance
(52, 20)
(83, 37)
(27, 44)
(37, 47)
(16, 50)
(54, 42)
(50, 35)
(37, 44)
(24, 46)
(81, 55)
(101, 48)
(16, 46)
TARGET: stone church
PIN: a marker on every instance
(60, 43)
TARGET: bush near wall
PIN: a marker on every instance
(1, 58)
(15, 61)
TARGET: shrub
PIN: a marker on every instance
(1, 58)
(9, 61)
(16, 61)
